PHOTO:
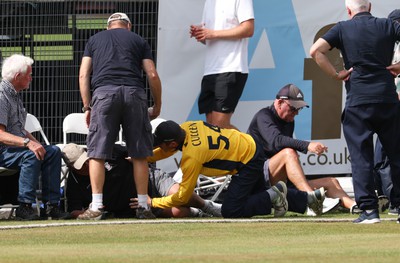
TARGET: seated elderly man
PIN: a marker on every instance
(19, 150)
(273, 126)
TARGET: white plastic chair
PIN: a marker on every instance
(32, 125)
(74, 123)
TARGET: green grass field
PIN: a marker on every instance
(330, 238)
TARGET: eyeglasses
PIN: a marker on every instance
(293, 109)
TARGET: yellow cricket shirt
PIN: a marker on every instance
(207, 150)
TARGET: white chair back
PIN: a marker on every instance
(74, 123)
(32, 124)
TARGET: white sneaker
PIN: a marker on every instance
(212, 208)
(329, 204)
(196, 212)
(318, 199)
(280, 204)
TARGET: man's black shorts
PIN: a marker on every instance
(221, 92)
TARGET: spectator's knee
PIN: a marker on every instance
(53, 150)
(290, 153)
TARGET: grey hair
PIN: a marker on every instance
(15, 64)
(358, 5)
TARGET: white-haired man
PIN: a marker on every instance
(21, 151)
(372, 104)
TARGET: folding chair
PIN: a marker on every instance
(74, 123)
(32, 125)
(214, 185)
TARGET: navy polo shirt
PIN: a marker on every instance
(366, 44)
(117, 57)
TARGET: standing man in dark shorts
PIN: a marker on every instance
(372, 104)
(115, 58)
(225, 29)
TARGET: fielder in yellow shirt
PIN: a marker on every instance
(213, 151)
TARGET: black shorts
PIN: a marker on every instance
(221, 92)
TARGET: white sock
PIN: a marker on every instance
(97, 202)
(143, 201)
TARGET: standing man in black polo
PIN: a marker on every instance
(372, 104)
(112, 64)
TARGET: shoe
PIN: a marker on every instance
(26, 212)
(329, 205)
(196, 212)
(398, 216)
(393, 211)
(355, 210)
(212, 208)
(90, 214)
(53, 212)
(383, 203)
(318, 197)
(368, 218)
(280, 204)
(142, 213)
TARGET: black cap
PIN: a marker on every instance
(167, 131)
(293, 94)
(395, 15)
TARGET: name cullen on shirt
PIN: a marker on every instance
(194, 134)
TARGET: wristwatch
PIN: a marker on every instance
(86, 108)
(26, 141)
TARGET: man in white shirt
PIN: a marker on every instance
(225, 29)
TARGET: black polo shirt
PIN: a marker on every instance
(273, 133)
(366, 44)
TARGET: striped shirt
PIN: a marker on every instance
(12, 111)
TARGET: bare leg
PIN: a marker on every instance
(141, 175)
(182, 211)
(285, 165)
(176, 212)
(220, 119)
(333, 190)
(194, 201)
(97, 175)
